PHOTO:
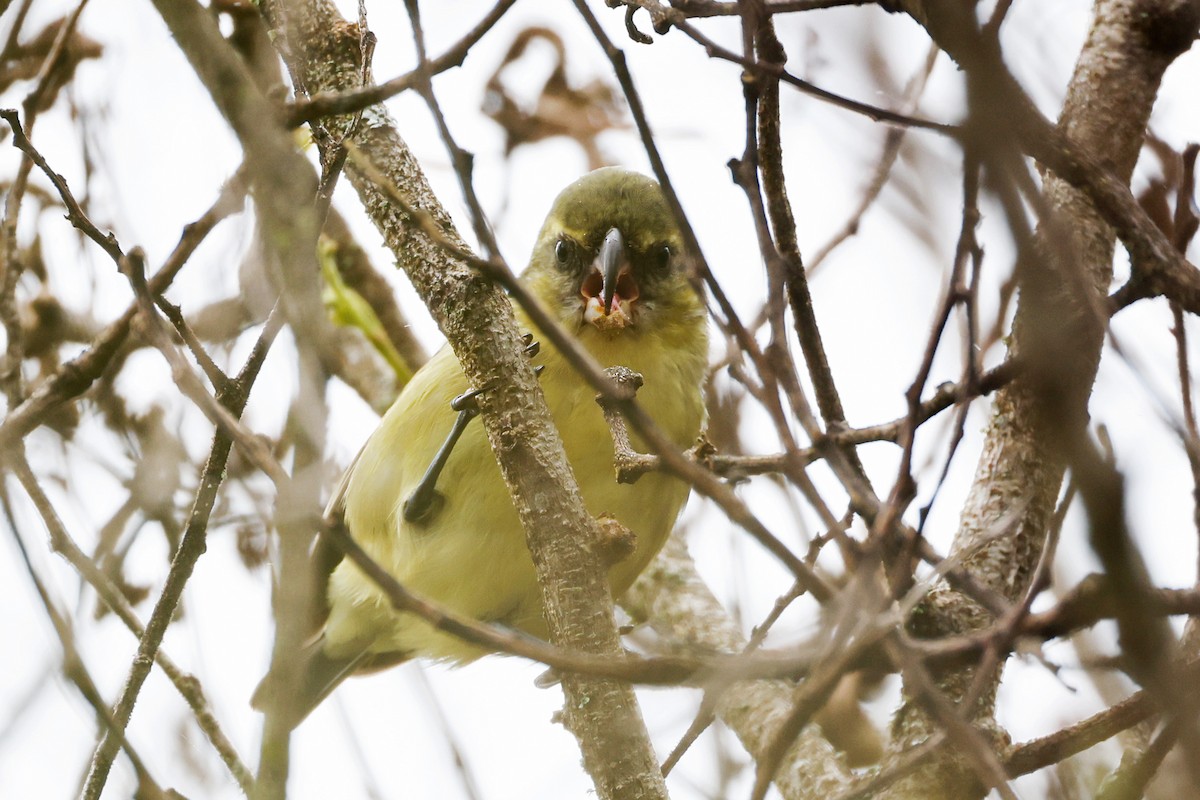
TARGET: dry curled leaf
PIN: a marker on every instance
(1169, 198)
(24, 61)
(252, 546)
(581, 113)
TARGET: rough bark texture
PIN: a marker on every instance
(477, 320)
(1004, 522)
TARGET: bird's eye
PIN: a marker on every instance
(563, 252)
(661, 257)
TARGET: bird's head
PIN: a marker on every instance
(608, 257)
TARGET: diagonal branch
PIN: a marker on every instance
(321, 50)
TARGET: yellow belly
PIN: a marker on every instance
(471, 556)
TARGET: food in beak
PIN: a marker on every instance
(609, 290)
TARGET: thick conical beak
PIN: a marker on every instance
(610, 260)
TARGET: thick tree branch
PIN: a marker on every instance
(1057, 325)
(321, 50)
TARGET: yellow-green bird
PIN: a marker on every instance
(606, 265)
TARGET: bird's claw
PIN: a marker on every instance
(467, 402)
(532, 348)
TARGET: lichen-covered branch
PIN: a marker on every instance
(1063, 282)
(675, 600)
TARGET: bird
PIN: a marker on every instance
(607, 265)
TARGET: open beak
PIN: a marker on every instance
(609, 290)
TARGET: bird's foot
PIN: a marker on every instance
(425, 501)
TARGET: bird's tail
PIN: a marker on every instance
(318, 675)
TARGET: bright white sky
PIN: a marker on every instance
(164, 152)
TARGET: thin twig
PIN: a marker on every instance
(77, 375)
(230, 402)
(189, 688)
(892, 140)
(73, 667)
(330, 103)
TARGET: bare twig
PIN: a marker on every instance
(323, 104)
(73, 667)
(230, 402)
(189, 688)
(78, 374)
